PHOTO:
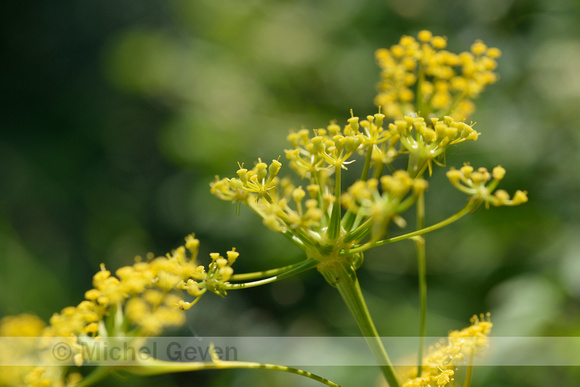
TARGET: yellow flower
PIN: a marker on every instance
(442, 359)
(480, 185)
(140, 300)
(427, 141)
(418, 76)
(385, 201)
(19, 327)
(24, 325)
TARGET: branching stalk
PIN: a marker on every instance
(266, 273)
(292, 270)
(470, 206)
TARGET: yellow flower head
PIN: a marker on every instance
(19, 328)
(143, 296)
(481, 185)
(442, 359)
(418, 75)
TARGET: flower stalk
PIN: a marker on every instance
(152, 366)
(343, 277)
(422, 274)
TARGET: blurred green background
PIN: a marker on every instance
(115, 116)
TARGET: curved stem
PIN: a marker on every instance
(152, 366)
(295, 269)
(343, 277)
(265, 273)
(470, 206)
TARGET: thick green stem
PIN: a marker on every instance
(342, 275)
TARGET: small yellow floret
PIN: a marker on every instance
(478, 48)
(493, 52)
(424, 36)
(498, 172)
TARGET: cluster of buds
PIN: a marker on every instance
(281, 205)
(215, 279)
(427, 141)
(443, 358)
(383, 204)
(329, 148)
(139, 301)
(313, 218)
(320, 156)
(418, 75)
(481, 185)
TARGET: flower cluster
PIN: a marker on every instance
(145, 292)
(442, 359)
(383, 200)
(418, 75)
(312, 216)
(480, 185)
(21, 329)
(425, 97)
(141, 300)
(427, 141)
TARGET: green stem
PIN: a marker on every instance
(422, 272)
(420, 243)
(343, 276)
(153, 366)
(456, 100)
(359, 232)
(292, 270)
(265, 273)
(348, 221)
(334, 226)
(98, 374)
(378, 172)
(366, 168)
(349, 217)
(470, 206)
(469, 372)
